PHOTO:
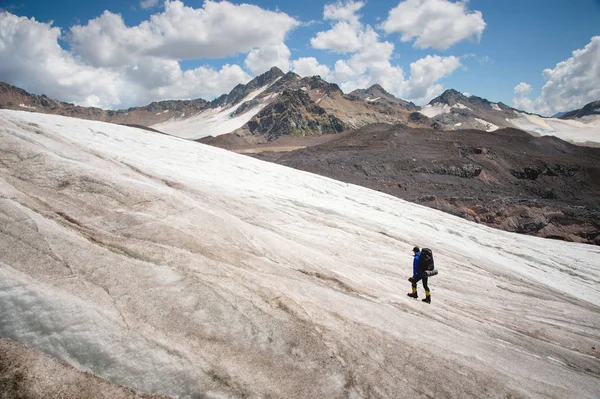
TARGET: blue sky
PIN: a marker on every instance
(146, 50)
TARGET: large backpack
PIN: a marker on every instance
(426, 259)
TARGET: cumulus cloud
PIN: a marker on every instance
(522, 88)
(111, 65)
(434, 23)
(33, 60)
(309, 66)
(217, 30)
(369, 62)
(342, 38)
(346, 34)
(570, 85)
(343, 11)
(425, 72)
(524, 103)
(262, 59)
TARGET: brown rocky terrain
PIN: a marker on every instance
(506, 179)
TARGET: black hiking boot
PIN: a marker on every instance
(427, 299)
(413, 295)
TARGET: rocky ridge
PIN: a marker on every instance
(315, 107)
(12, 97)
(240, 107)
(332, 107)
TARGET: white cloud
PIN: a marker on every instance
(148, 3)
(342, 38)
(343, 11)
(434, 23)
(153, 80)
(346, 34)
(262, 59)
(217, 30)
(309, 66)
(572, 83)
(33, 60)
(521, 101)
(522, 88)
(425, 72)
(524, 104)
(370, 60)
(111, 65)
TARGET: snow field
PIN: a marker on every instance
(187, 270)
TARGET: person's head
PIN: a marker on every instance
(416, 250)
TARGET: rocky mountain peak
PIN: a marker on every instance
(377, 94)
(317, 83)
(268, 77)
(450, 97)
(239, 92)
(376, 89)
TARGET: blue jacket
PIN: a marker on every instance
(416, 271)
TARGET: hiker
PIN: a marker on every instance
(419, 274)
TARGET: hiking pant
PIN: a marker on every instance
(419, 278)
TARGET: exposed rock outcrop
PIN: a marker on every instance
(295, 114)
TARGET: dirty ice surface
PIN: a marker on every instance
(186, 270)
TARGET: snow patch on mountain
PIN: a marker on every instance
(488, 126)
(495, 107)
(211, 122)
(436, 109)
(582, 130)
(460, 106)
(216, 121)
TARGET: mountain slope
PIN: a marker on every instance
(185, 270)
(294, 114)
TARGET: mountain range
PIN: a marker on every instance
(277, 104)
